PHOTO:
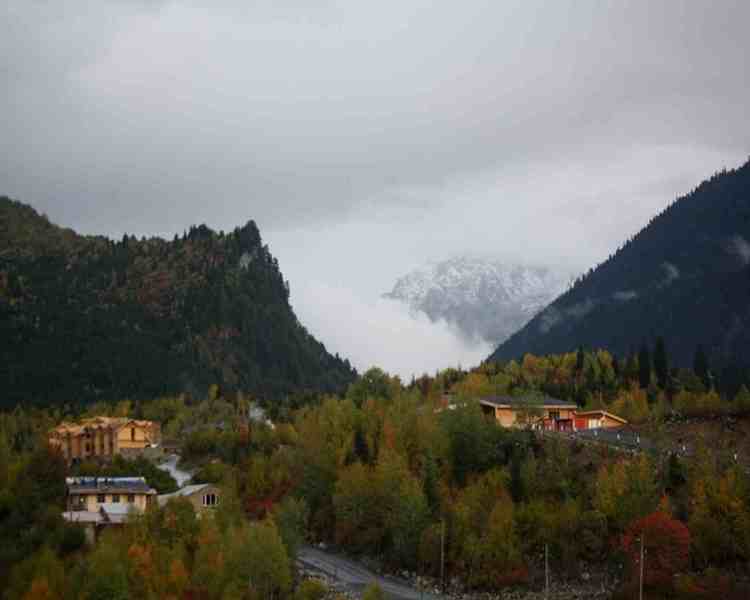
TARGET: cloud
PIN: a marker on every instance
(671, 273)
(366, 139)
(552, 316)
(150, 116)
(549, 317)
(740, 247)
(381, 332)
(625, 295)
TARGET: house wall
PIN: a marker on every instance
(608, 421)
(104, 441)
(563, 413)
(91, 501)
(505, 416)
(132, 437)
(196, 498)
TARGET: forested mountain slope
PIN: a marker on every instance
(84, 317)
(685, 277)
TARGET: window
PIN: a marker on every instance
(115, 498)
(554, 414)
(131, 498)
(132, 434)
(101, 498)
(210, 500)
(88, 447)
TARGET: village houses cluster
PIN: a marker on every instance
(98, 502)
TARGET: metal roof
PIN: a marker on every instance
(100, 485)
(188, 490)
(521, 401)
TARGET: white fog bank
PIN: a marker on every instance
(383, 333)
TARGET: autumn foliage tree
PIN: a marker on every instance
(666, 548)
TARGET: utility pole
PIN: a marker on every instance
(442, 554)
(546, 571)
(640, 588)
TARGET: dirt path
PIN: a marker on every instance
(355, 577)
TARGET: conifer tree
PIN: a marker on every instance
(700, 366)
(661, 363)
(580, 359)
(644, 366)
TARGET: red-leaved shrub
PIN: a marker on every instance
(666, 548)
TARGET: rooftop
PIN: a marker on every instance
(102, 485)
(589, 413)
(520, 401)
(185, 491)
(67, 427)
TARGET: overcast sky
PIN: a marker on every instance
(366, 138)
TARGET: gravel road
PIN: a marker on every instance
(355, 577)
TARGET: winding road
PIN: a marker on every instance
(354, 577)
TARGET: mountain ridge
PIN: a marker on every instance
(684, 277)
(484, 297)
(87, 317)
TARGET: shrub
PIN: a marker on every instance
(666, 548)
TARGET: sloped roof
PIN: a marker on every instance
(115, 423)
(188, 490)
(522, 401)
(108, 485)
(604, 413)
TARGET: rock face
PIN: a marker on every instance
(484, 298)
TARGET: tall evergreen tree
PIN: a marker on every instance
(700, 366)
(631, 366)
(644, 366)
(661, 363)
(580, 359)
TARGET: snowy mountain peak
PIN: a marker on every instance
(485, 298)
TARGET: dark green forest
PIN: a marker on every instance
(85, 317)
(685, 277)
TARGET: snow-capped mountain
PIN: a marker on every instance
(484, 298)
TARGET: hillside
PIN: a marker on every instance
(484, 298)
(685, 276)
(85, 317)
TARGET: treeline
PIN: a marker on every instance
(641, 387)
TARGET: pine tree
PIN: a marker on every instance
(580, 359)
(631, 367)
(616, 366)
(700, 366)
(644, 366)
(661, 363)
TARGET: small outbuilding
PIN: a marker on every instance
(203, 496)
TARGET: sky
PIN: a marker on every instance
(368, 138)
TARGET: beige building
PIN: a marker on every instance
(546, 413)
(104, 437)
(203, 496)
(97, 502)
(595, 419)
(539, 413)
(91, 493)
